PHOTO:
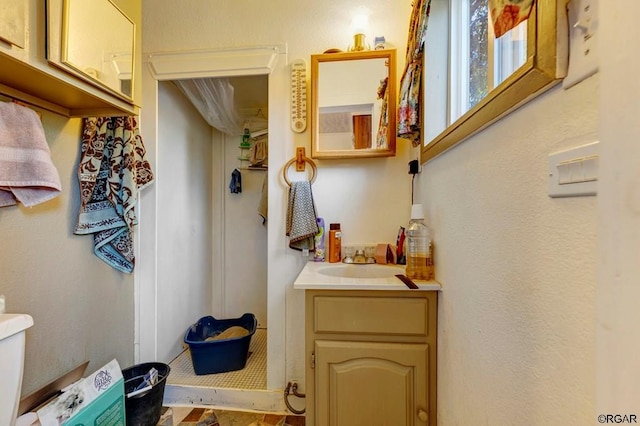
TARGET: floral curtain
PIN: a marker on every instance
(507, 14)
(382, 138)
(409, 111)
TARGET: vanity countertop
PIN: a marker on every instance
(341, 276)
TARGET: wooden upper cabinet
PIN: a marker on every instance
(34, 70)
(13, 22)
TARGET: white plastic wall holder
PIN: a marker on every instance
(574, 172)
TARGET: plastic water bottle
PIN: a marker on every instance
(419, 253)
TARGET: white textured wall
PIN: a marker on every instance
(618, 334)
(184, 180)
(245, 240)
(81, 307)
(517, 310)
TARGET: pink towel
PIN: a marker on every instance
(27, 174)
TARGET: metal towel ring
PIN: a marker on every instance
(293, 161)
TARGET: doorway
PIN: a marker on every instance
(224, 225)
(151, 300)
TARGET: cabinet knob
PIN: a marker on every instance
(423, 416)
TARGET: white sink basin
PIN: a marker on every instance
(370, 271)
(345, 276)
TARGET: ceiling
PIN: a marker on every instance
(251, 92)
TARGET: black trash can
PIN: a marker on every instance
(144, 409)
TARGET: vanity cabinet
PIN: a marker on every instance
(371, 357)
(28, 74)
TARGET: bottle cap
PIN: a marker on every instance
(334, 226)
(417, 212)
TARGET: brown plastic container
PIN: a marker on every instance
(335, 243)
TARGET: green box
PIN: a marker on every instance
(97, 400)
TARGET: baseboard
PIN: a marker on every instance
(263, 401)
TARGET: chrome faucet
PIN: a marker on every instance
(359, 257)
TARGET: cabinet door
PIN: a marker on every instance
(13, 22)
(371, 384)
(362, 131)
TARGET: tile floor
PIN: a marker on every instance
(189, 416)
(253, 376)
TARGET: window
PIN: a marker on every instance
(472, 79)
(482, 61)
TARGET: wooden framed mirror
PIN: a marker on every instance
(353, 104)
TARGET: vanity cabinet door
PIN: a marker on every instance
(371, 357)
(371, 383)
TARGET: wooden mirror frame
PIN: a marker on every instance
(545, 66)
(316, 60)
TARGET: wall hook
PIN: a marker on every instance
(300, 156)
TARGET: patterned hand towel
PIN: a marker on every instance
(112, 170)
(27, 174)
(302, 225)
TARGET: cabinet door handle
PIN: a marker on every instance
(423, 416)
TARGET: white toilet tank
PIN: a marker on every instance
(12, 338)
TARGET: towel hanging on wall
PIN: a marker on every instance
(27, 174)
(235, 184)
(302, 224)
(112, 170)
(258, 153)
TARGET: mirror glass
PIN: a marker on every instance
(97, 41)
(353, 104)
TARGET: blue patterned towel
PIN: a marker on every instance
(112, 170)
